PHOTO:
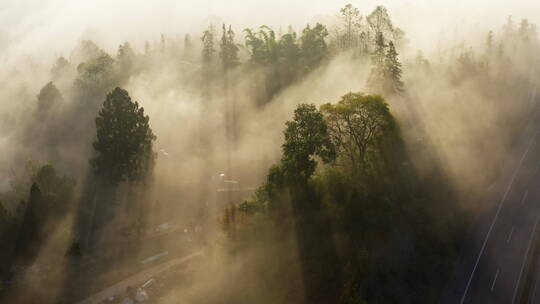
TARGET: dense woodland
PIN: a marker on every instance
(365, 197)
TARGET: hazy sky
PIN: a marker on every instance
(54, 25)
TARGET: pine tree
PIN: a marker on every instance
(392, 71)
(377, 74)
(124, 139)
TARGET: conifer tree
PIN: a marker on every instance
(376, 76)
(124, 139)
(392, 71)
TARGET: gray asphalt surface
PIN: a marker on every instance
(137, 279)
(498, 253)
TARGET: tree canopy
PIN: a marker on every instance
(124, 139)
(306, 137)
(356, 123)
(48, 96)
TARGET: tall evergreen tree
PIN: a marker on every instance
(376, 76)
(392, 71)
(124, 139)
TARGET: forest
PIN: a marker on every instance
(335, 162)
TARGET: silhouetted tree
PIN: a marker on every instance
(30, 233)
(126, 60)
(306, 137)
(379, 22)
(356, 124)
(313, 46)
(208, 49)
(48, 96)
(96, 76)
(392, 71)
(262, 45)
(377, 73)
(60, 68)
(351, 18)
(229, 50)
(124, 140)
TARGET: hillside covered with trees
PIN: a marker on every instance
(332, 163)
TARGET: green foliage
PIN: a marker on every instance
(278, 58)
(366, 205)
(385, 74)
(124, 140)
(289, 49)
(262, 45)
(313, 46)
(306, 136)
(357, 124)
(392, 70)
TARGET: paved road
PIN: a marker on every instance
(138, 279)
(495, 263)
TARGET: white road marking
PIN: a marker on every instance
(510, 235)
(498, 211)
(495, 279)
(533, 234)
(524, 196)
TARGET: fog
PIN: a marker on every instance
(51, 27)
(459, 100)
